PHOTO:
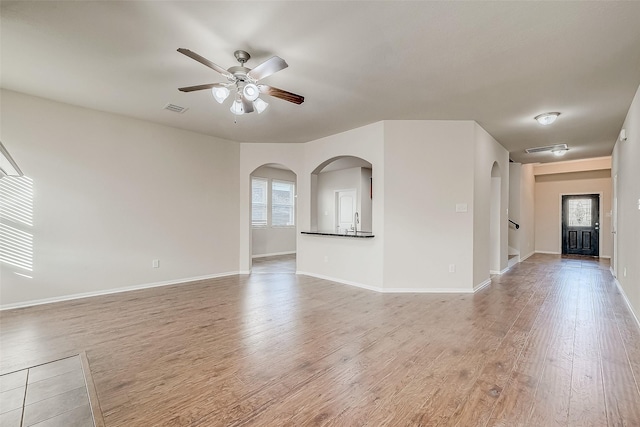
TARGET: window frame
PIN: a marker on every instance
(266, 202)
(293, 203)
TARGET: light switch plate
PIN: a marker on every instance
(461, 207)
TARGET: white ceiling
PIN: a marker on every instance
(499, 63)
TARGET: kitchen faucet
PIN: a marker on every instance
(356, 220)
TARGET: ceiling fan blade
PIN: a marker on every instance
(282, 94)
(199, 87)
(268, 67)
(206, 62)
(246, 104)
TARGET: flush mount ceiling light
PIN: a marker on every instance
(546, 118)
(547, 148)
(245, 81)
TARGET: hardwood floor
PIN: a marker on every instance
(548, 343)
(274, 264)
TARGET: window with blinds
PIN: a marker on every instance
(16, 223)
(282, 203)
(259, 202)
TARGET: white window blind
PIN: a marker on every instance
(16, 223)
(282, 203)
(258, 202)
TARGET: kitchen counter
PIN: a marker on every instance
(351, 234)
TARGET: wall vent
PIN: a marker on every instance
(175, 108)
(547, 148)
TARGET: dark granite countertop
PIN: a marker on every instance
(357, 235)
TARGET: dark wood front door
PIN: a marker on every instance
(581, 224)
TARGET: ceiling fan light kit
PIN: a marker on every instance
(237, 108)
(250, 92)
(260, 105)
(246, 83)
(220, 94)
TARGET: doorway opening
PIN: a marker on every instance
(342, 196)
(494, 220)
(614, 225)
(273, 219)
(581, 224)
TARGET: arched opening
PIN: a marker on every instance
(273, 219)
(341, 196)
(494, 219)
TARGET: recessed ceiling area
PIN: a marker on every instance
(498, 63)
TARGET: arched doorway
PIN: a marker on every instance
(273, 219)
(494, 219)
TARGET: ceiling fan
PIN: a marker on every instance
(245, 81)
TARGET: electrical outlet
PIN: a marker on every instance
(155, 263)
(452, 268)
(624, 272)
(326, 258)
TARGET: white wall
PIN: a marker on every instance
(328, 184)
(112, 194)
(522, 209)
(526, 219)
(350, 260)
(487, 151)
(366, 197)
(515, 177)
(626, 156)
(495, 225)
(273, 240)
(548, 213)
(428, 169)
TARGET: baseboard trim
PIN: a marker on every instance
(626, 300)
(482, 285)
(273, 254)
(548, 252)
(604, 256)
(527, 256)
(344, 282)
(52, 300)
(389, 290)
(501, 271)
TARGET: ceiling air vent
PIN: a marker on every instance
(175, 108)
(547, 148)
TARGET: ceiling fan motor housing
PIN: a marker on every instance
(239, 72)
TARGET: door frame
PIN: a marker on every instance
(600, 213)
(336, 200)
(614, 227)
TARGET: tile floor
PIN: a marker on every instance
(49, 395)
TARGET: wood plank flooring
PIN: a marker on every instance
(549, 343)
